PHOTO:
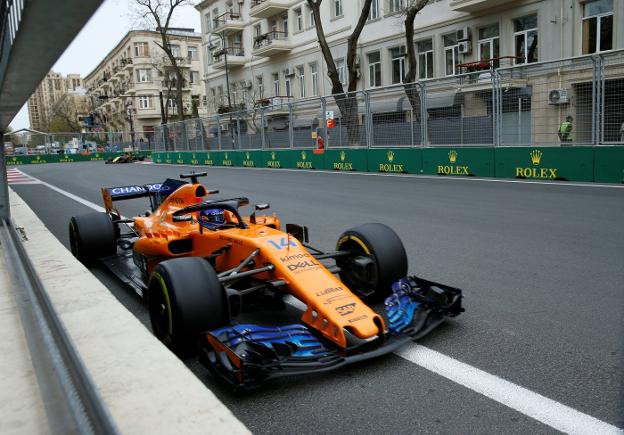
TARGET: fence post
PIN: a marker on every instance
(219, 131)
(238, 131)
(5, 212)
(185, 142)
(601, 111)
(164, 139)
(262, 128)
(424, 116)
(369, 120)
(324, 112)
(200, 124)
(291, 131)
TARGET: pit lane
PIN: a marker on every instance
(541, 267)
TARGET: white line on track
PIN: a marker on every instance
(520, 399)
(429, 177)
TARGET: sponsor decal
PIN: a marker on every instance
(133, 190)
(247, 162)
(333, 299)
(329, 291)
(453, 169)
(345, 310)
(177, 201)
(96, 157)
(343, 165)
(304, 164)
(358, 318)
(303, 265)
(226, 160)
(273, 163)
(289, 258)
(208, 161)
(282, 243)
(391, 166)
(536, 171)
(180, 160)
(194, 160)
(65, 159)
(228, 239)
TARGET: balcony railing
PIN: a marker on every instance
(267, 39)
(234, 50)
(224, 18)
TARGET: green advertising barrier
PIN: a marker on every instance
(302, 159)
(59, 158)
(253, 159)
(347, 159)
(609, 164)
(462, 161)
(546, 163)
(395, 160)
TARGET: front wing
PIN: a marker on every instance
(247, 355)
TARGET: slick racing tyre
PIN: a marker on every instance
(377, 260)
(92, 236)
(185, 298)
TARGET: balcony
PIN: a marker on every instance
(227, 23)
(476, 5)
(235, 57)
(271, 44)
(126, 63)
(267, 8)
(275, 106)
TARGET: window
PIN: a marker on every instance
(340, 67)
(398, 64)
(396, 5)
(175, 50)
(171, 103)
(260, 86)
(338, 8)
(257, 30)
(274, 26)
(215, 21)
(145, 102)
(285, 25)
(489, 44)
(192, 52)
(288, 90)
(208, 22)
(451, 54)
(301, 75)
(374, 10)
(144, 75)
(141, 49)
(525, 39)
(314, 75)
(597, 26)
(311, 17)
(276, 85)
(194, 77)
(425, 59)
(374, 69)
(299, 17)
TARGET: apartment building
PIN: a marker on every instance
(53, 88)
(125, 88)
(272, 49)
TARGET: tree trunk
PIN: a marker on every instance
(412, 89)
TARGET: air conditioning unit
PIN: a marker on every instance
(289, 72)
(465, 47)
(246, 84)
(558, 96)
(463, 34)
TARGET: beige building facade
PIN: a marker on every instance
(50, 92)
(125, 88)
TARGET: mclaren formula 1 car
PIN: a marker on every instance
(126, 158)
(200, 263)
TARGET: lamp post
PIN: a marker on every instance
(223, 52)
(130, 110)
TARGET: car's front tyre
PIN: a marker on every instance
(92, 236)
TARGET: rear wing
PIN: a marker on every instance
(156, 192)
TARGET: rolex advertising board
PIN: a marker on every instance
(346, 159)
(609, 164)
(395, 160)
(545, 163)
(461, 161)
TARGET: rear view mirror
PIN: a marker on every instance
(213, 192)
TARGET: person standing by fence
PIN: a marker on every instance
(565, 130)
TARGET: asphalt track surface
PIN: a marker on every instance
(541, 266)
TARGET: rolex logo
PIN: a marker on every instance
(343, 156)
(452, 156)
(536, 157)
(179, 156)
(207, 155)
(303, 155)
(226, 156)
(193, 156)
(247, 155)
(390, 156)
(272, 155)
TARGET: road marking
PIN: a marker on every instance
(15, 176)
(520, 399)
(429, 177)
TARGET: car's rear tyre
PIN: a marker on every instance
(378, 260)
(92, 236)
(185, 298)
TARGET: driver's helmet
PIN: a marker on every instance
(213, 218)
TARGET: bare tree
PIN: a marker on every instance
(158, 15)
(347, 102)
(64, 113)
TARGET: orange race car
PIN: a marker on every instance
(199, 263)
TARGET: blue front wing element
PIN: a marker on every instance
(400, 306)
(297, 337)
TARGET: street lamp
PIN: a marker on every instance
(130, 110)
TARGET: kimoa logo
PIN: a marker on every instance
(304, 164)
(536, 172)
(451, 169)
(391, 167)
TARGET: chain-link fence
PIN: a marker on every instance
(578, 101)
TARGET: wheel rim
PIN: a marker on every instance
(352, 280)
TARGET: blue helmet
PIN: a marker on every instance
(212, 218)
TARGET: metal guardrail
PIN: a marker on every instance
(71, 400)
